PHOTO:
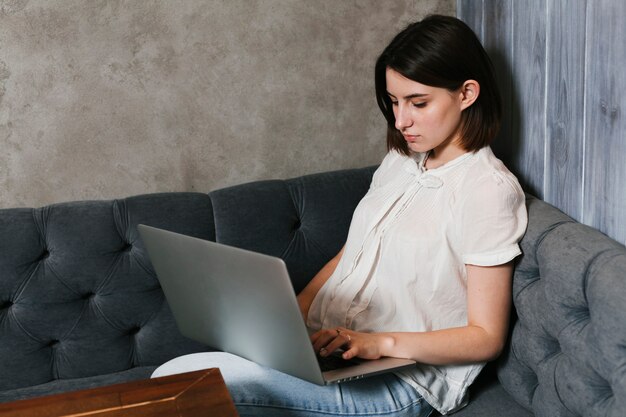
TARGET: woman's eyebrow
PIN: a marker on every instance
(410, 96)
(415, 95)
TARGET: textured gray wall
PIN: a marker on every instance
(104, 99)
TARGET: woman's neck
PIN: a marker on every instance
(439, 157)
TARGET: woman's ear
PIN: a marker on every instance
(470, 91)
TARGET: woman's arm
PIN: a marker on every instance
(488, 305)
(306, 296)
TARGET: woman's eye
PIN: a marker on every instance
(419, 105)
(394, 103)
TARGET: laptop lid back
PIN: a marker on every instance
(234, 300)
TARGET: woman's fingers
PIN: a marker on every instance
(327, 341)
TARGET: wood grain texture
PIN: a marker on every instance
(604, 196)
(560, 66)
(565, 105)
(184, 395)
(528, 120)
(497, 40)
(471, 12)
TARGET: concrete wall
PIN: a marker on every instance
(104, 99)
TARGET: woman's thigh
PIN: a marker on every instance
(260, 391)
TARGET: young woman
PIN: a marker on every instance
(427, 267)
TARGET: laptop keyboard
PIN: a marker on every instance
(332, 362)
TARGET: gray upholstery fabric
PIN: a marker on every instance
(487, 398)
(58, 386)
(490, 400)
(303, 220)
(568, 349)
(80, 305)
(78, 296)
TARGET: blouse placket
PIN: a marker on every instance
(355, 294)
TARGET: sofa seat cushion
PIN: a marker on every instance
(65, 385)
(491, 400)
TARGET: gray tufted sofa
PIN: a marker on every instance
(80, 306)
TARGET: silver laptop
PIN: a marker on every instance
(242, 302)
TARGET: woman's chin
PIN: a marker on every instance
(417, 148)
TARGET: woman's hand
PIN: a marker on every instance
(354, 344)
(481, 340)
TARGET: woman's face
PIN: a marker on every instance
(428, 117)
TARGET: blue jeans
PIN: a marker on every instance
(260, 391)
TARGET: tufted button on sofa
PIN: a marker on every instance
(567, 352)
(80, 305)
(79, 302)
(568, 346)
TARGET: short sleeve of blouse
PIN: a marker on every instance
(494, 219)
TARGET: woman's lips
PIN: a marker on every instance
(410, 138)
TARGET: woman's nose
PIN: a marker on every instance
(403, 119)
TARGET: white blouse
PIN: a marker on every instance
(403, 267)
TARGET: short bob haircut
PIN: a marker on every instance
(442, 51)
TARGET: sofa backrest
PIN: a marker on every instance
(567, 355)
(303, 220)
(79, 297)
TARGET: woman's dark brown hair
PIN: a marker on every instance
(442, 51)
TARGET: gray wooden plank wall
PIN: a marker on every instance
(560, 66)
